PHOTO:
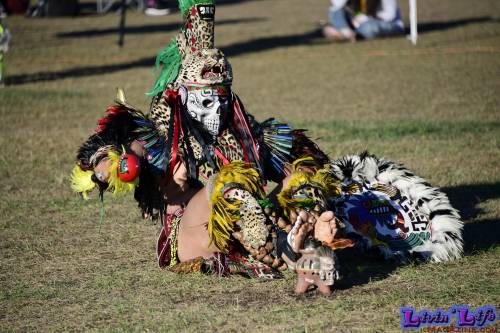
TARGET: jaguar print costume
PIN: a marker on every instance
(196, 120)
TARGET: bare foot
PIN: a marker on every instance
(325, 227)
(301, 229)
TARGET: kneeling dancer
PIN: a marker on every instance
(199, 163)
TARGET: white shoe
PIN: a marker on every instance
(156, 12)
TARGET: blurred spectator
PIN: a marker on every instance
(4, 47)
(153, 9)
(3, 12)
(366, 19)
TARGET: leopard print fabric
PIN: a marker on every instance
(228, 146)
(252, 221)
(256, 232)
(199, 28)
(160, 114)
(205, 67)
(311, 192)
(202, 64)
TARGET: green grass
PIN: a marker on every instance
(344, 130)
(434, 107)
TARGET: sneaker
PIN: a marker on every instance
(156, 12)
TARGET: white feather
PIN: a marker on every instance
(446, 227)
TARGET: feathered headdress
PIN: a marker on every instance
(324, 185)
(114, 131)
(82, 180)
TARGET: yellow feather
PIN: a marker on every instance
(300, 161)
(330, 185)
(225, 214)
(321, 179)
(116, 185)
(81, 181)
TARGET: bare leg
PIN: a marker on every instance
(302, 284)
(193, 239)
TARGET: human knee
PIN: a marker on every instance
(338, 18)
(368, 30)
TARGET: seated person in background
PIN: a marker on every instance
(366, 19)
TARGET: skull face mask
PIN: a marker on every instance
(208, 105)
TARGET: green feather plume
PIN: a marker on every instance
(169, 60)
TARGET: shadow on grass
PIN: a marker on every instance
(424, 27)
(467, 197)
(78, 72)
(90, 8)
(268, 43)
(146, 29)
(357, 269)
(482, 234)
(233, 50)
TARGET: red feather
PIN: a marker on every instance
(111, 112)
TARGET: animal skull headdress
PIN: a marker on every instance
(201, 73)
(194, 88)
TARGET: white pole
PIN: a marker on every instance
(413, 22)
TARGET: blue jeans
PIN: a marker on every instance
(372, 28)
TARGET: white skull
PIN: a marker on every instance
(207, 106)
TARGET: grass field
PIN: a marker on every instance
(434, 107)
